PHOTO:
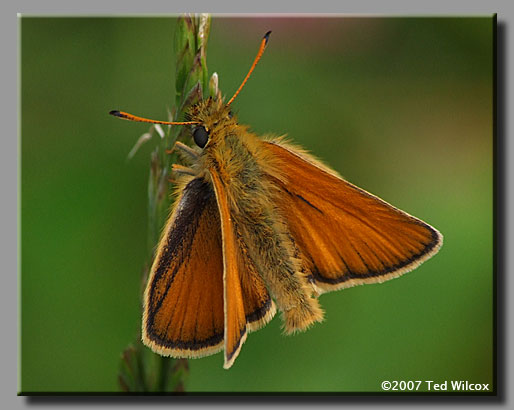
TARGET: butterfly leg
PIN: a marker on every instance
(180, 169)
(190, 152)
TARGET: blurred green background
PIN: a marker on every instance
(401, 107)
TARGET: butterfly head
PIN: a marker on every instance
(212, 119)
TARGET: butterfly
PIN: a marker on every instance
(260, 225)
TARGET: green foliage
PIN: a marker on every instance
(142, 371)
(192, 77)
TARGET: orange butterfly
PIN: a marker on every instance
(260, 224)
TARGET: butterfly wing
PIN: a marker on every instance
(190, 289)
(345, 235)
(247, 303)
(183, 303)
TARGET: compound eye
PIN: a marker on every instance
(201, 136)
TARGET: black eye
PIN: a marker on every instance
(201, 136)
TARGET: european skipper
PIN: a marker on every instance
(260, 224)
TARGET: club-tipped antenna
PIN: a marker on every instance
(264, 43)
(130, 117)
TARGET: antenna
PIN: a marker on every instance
(264, 43)
(130, 117)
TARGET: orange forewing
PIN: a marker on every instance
(183, 304)
(235, 318)
(345, 235)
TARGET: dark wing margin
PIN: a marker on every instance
(183, 304)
